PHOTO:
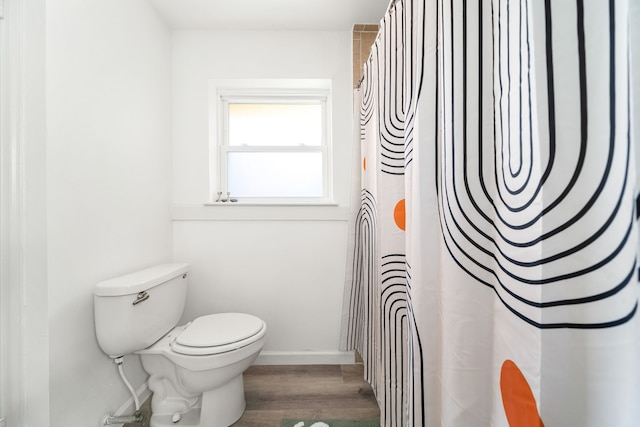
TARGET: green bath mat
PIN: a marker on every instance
(329, 423)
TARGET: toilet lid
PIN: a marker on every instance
(219, 329)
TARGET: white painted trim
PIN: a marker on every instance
(321, 98)
(129, 406)
(265, 358)
(220, 89)
(12, 218)
(252, 212)
(23, 214)
(306, 358)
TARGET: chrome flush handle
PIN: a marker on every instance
(142, 296)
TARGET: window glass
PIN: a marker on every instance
(275, 174)
(285, 125)
(273, 144)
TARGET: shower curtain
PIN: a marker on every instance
(495, 277)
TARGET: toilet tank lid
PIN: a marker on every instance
(139, 281)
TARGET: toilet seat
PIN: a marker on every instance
(217, 333)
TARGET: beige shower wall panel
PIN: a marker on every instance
(364, 35)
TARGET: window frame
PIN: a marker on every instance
(226, 96)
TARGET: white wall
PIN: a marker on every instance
(108, 184)
(284, 265)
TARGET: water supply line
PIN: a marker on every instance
(137, 415)
(119, 361)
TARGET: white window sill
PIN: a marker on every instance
(239, 211)
(240, 203)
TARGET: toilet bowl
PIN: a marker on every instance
(195, 370)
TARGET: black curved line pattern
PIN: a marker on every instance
(415, 363)
(393, 312)
(391, 83)
(414, 70)
(391, 95)
(531, 150)
(576, 234)
(361, 271)
(379, 280)
(362, 317)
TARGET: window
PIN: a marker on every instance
(273, 146)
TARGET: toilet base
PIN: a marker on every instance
(218, 408)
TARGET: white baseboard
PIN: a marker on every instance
(129, 407)
(265, 358)
(305, 358)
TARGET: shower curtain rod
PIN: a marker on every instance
(389, 7)
(391, 4)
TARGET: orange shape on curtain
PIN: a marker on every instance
(364, 163)
(399, 215)
(517, 398)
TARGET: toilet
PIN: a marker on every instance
(195, 370)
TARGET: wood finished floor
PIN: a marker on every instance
(305, 391)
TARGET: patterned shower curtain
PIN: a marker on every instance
(495, 276)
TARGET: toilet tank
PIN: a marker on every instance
(135, 310)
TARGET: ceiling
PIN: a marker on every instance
(270, 14)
